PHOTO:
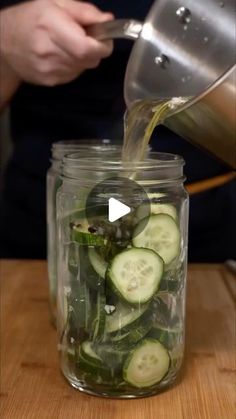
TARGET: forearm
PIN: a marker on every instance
(9, 83)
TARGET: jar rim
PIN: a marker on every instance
(152, 161)
(61, 148)
(163, 167)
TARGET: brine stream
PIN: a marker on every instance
(140, 122)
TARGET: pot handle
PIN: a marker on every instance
(119, 28)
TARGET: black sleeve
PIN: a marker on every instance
(8, 3)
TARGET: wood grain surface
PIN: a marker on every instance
(32, 386)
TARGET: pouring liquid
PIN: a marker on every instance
(140, 122)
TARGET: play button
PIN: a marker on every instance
(116, 209)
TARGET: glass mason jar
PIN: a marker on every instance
(86, 148)
(121, 285)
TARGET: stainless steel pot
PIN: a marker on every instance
(186, 48)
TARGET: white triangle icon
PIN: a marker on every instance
(117, 210)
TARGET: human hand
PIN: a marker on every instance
(45, 41)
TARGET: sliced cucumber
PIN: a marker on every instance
(161, 311)
(126, 341)
(93, 366)
(156, 195)
(164, 311)
(147, 364)
(173, 279)
(97, 262)
(79, 308)
(135, 274)
(156, 208)
(87, 273)
(168, 285)
(111, 356)
(129, 325)
(99, 321)
(161, 234)
(77, 297)
(83, 234)
(168, 336)
(88, 354)
(73, 259)
(124, 318)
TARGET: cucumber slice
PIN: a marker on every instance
(87, 273)
(79, 309)
(84, 234)
(135, 274)
(126, 341)
(73, 259)
(99, 321)
(147, 364)
(160, 234)
(173, 279)
(156, 195)
(168, 336)
(128, 325)
(161, 311)
(77, 297)
(157, 208)
(124, 318)
(112, 357)
(102, 363)
(93, 366)
(164, 312)
(168, 285)
(88, 354)
(97, 262)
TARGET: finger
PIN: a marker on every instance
(87, 14)
(56, 68)
(71, 38)
(84, 13)
(51, 59)
(65, 65)
(54, 78)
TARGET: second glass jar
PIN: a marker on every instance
(84, 148)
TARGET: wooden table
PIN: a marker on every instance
(33, 387)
